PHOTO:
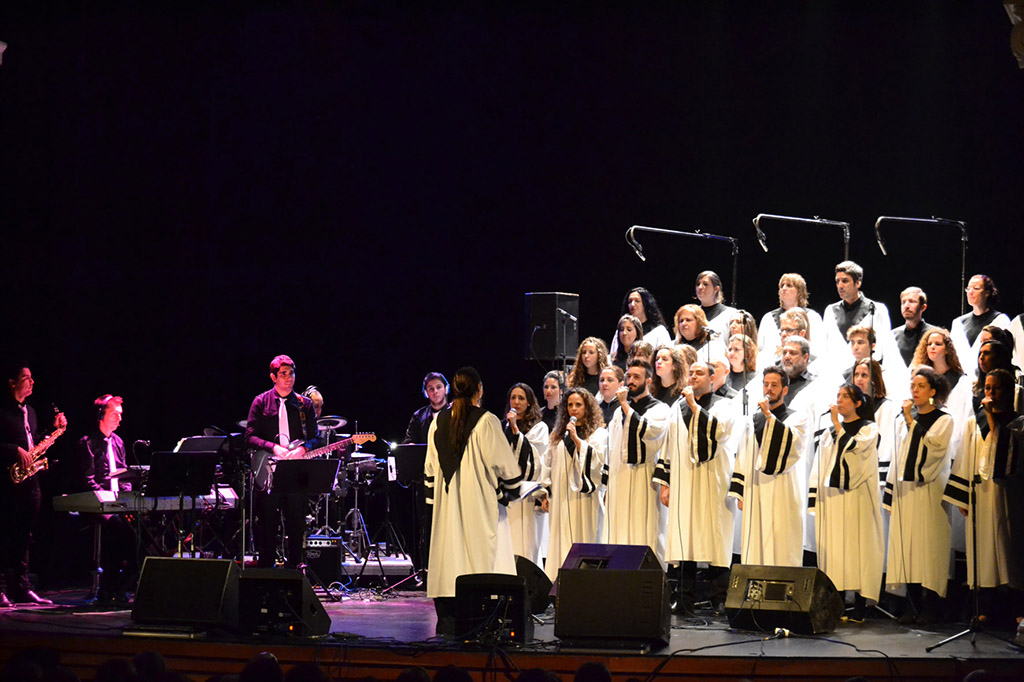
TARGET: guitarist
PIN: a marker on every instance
(19, 502)
(278, 418)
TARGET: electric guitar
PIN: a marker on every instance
(264, 461)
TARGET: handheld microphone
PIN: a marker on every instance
(513, 410)
(572, 420)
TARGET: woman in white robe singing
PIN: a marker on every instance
(846, 502)
(527, 435)
(919, 531)
(576, 453)
(470, 475)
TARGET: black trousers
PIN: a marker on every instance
(269, 507)
(19, 509)
(118, 554)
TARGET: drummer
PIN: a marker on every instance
(435, 390)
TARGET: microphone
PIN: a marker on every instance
(513, 410)
(878, 236)
(567, 314)
(761, 239)
(712, 332)
(572, 420)
(631, 240)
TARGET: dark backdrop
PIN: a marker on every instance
(188, 190)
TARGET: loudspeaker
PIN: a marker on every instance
(633, 575)
(323, 555)
(802, 600)
(538, 585)
(280, 602)
(494, 606)
(549, 333)
(187, 592)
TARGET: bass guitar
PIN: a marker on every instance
(263, 461)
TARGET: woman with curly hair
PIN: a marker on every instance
(527, 435)
(591, 358)
(577, 449)
(670, 374)
(641, 304)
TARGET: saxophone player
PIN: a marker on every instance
(19, 502)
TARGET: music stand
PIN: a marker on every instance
(181, 475)
(409, 460)
(307, 477)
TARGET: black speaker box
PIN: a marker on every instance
(280, 602)
(763, 598)
(630, 574)
(550, 333)
(538, 585)
(492, 606)
(198, 592)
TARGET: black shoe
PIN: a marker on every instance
(908, 617)
(718, 607)
(30, 597)
(4, 601)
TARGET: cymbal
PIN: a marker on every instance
(360, 455)
(244, 423)
(332, 422)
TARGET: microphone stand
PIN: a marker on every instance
(639, 251)
(566, 317)
(812, 221)
(932, 221)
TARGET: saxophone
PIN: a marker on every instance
(20, 473)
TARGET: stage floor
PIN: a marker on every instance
(379, 636)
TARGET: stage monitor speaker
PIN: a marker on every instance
(190, 592)
(799, 599)
(634, 576)
(492, 606)
(538, 585)
(550, 334)
(280, 602)
(323, 555)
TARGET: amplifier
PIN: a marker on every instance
(323, 555)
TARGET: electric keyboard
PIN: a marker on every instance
(130, 501)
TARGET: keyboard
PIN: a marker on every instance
(130, 501)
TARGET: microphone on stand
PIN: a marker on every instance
(878, 235)
(761, 239)
(712, 332)
(637, 249)
(567, 314)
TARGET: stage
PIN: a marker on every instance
(379, 636)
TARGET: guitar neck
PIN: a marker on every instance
(330, 448)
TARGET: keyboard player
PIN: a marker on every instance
(100, 456)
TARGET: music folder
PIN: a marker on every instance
(409, 460)
(306, 476)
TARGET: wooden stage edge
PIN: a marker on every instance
(379, 639)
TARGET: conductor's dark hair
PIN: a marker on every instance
(936, 381)
(105, 401)
(775, 369)
(716, 281)
(991, 292)
(852, 269)
(593, 418)
(466, 385)
(529, 420)
(279, 362)
(651, 309)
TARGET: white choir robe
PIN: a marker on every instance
(697, 464)
(919, 529)
(994, 458)
(888, 415)
(767, 480)
(837, 347)
(848, 516)
(813, 401)
(526, 520)
(1017, 330)
(966, 351)
(631, 500)
(470, 531)
(574, 496)
(720, 322)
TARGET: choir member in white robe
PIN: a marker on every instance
(766, 481)
(692, 329)
(852, 309)
(470, 474)
(694, 472)
(708, 289)
(1017, 331)
(965, 330)
(574, 459)
(635, 437)
(988, 464)
(846, 502)
(869, 378)
(670, 371)
(527, 435)
(642, 305)
(792, 294)
(918, 554)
